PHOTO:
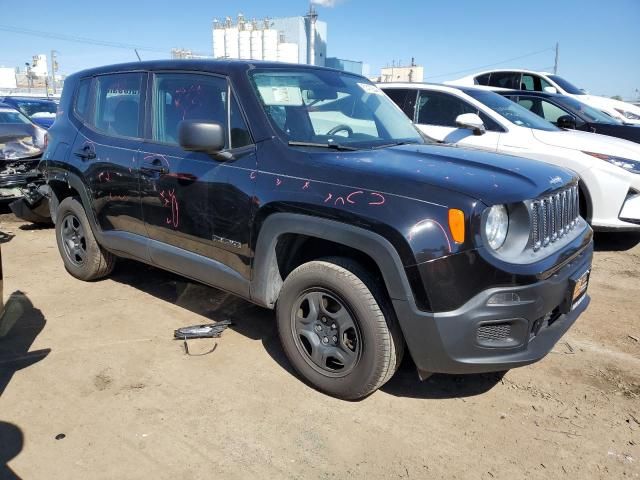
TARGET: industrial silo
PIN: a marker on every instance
(231, 40)
(256, 42)
(269, 43)
(218, 40)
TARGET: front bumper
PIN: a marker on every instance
(478, 337)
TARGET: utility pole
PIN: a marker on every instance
(54, 68)
(555, 64)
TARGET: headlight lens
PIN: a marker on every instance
(496, 226)
(626, 163)
(627, 114)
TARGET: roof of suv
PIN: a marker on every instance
(223, 67)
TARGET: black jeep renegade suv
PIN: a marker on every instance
(307, 190)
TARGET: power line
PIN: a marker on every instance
(73, 38)
(494, 64)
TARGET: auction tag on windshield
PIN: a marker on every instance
(279, 90)
(368, 88)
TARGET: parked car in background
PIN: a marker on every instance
(306, 190)
(517, 79)
(568, 112)
(21, 147)
(41, 111)
(609, 167)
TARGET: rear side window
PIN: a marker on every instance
(81, 106)
(483, 79)
(186, 96)
(404, 98)
(505, 80)
(118, 104)
(442, 109)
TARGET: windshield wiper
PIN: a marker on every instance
(395, 144)
(335, 146)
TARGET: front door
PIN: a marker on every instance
(436, 114)
(106, 150)
(194, 201)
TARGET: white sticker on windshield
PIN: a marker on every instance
(279, 91)
(368, 88)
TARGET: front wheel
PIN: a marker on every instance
(83, 257)
(337, 328)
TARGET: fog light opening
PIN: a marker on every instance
(504, 298)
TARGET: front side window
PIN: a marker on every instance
(511, 111)
(551, 112)
(566, 86)
(118, 104)
(13, 116)
(588, 113)
(404, 98)
(322, 107)
(442, 109)
(186, 96)
(509, 80)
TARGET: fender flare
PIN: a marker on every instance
(266, 280)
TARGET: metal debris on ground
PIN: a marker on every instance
(213, 330)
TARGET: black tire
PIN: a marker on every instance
(83, 257)
(367, 355)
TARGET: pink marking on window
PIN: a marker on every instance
(380, 199)
(353, 194)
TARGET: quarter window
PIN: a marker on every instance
(82, 98)
(180, 97)
(118, 104)
(240, 135)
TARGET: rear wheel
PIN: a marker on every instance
(337, 328)
(83, 257)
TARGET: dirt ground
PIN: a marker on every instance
(93, 386)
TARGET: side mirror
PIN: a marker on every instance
(201, 136)
(550, 90)
(566, 121)
(471, 121)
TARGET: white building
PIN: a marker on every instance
(39, 66)
(290, 39)
(8, 77)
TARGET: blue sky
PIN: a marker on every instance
(598, 40)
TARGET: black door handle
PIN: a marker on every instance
(155, 166)
(86, 153)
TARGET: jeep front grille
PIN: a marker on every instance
(554, 216)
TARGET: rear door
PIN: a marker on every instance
(106, 149)
(436, 114)
(194, 201)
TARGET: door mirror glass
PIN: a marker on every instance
(566, 121)
(201, 136)
(550, 89)
(471, 121)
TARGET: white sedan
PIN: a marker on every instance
(517, 79)
(609, 167)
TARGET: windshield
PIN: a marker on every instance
(588, 113)
(329, 108)
(34, 108)
(13, 116)
(566, 86)
(511, 110)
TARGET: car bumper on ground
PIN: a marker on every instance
(499, 328)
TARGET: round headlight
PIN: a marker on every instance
(496, 226)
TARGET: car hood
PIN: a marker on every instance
(589, 142)
(19, 142)
(611, 106)
(493, 178)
